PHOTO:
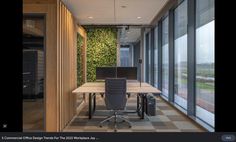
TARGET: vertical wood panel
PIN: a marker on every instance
(58, 66)
(69, 76)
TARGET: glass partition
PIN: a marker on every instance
(33, 73)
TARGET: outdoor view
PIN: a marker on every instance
(205, 60)
(180, 49)
(156, 57)
(165, 58)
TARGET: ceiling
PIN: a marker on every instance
(114, 12)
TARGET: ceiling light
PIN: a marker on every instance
(123, 6)
(139, 17)
(90, 17)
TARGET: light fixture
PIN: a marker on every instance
(90, 17)
(123, 6)
(139, 17)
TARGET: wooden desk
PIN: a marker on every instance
(132, 87)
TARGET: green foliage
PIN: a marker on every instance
(80, 43)
(101, 49)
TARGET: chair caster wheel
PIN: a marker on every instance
(123, 121)
(130, 126)
(115, 130)
(100, 126)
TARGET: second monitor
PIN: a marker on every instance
(130, 73)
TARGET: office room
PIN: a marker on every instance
(118, 66)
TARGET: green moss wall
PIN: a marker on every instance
(101, 49)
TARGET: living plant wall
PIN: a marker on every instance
(101, 49)
(80, 44)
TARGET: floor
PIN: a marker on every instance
(167, 119)
(33, 115)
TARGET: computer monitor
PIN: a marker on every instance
(105, 72)
(130, 73)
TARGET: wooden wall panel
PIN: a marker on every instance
(68, 29)
(61, 61)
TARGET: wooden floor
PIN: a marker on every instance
(33, 113)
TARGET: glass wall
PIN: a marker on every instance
(147, 70)
(201, 46)
(124, 56)
(165, 57)
(33, 72)
(205, 47)
(156, 56)
(149, 59)
(180, 49)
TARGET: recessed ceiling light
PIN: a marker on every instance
(139, 17)
(90, 17)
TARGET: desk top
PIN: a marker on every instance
(132, 87)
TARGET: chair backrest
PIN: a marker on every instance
(115, 93)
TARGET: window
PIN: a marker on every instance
(205, 60)
(147, 58)
(124, 56)
(180, 53)
(156, 56)
(165, 57)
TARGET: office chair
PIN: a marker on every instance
(115, 99)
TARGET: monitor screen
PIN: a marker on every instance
(130, 73)
(105, 72)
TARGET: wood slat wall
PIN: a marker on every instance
(61, 61)
(67, 45)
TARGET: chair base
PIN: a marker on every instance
(115, 116)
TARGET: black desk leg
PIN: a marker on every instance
(94, 102)
(143, 104)
(90, 105)
(138, 103)
(145, 97)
